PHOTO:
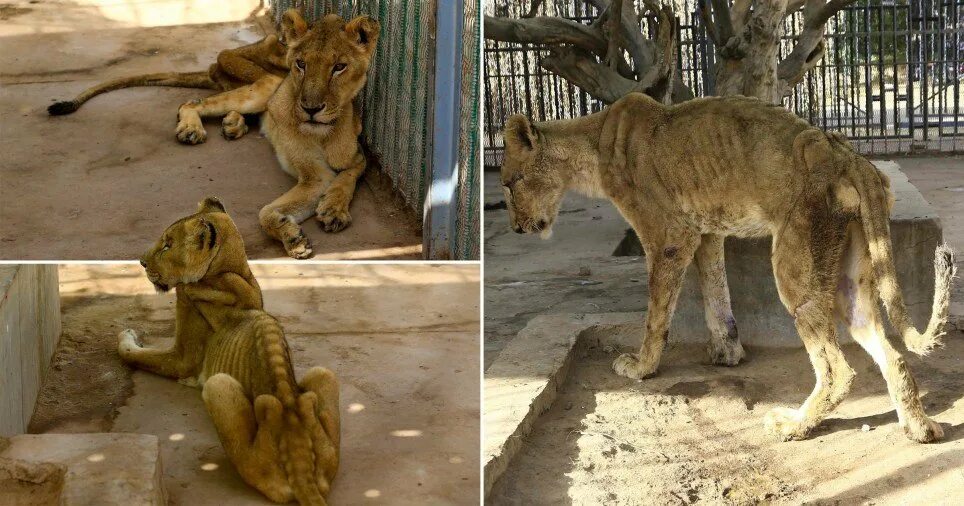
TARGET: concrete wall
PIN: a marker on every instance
(29, 331)
(760, 316)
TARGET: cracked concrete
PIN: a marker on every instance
(103, 182)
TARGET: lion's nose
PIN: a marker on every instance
(518, 229)
(311, 111)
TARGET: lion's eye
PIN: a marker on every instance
(338, 68)
(300, 64)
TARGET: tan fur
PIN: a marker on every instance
(282, 437)
(261, 62)
(320, 149)
(687, 175)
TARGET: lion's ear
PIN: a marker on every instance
(211, 205)
(293, 26)
(364, 30)
(520, 134)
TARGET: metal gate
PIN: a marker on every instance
(892, 77)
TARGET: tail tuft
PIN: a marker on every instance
(61, 108)
(944, 272)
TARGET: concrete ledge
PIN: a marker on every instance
(29, 332)
(523, 382)
(102, 469)
(761, 318)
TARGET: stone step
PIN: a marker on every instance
(102, 469)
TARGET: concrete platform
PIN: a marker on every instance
(103, 183)
(409, 377)
(524, 381)
(102, 469)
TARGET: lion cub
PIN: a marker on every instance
(281, 435)
(686, 176)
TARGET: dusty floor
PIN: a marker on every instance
(103, 182)
(693, 435)
(409, 376)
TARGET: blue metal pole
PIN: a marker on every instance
(440, 212)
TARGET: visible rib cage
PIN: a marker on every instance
(262, 364)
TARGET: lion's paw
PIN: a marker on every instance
(233, 126)
(298, 246)
(127, 341)
(726, 353)
(785, 423)
(628, 365)
(190, 130)
(927, 432)
(333, 212)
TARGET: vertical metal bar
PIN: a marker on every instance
(439, 217)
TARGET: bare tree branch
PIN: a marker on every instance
(545, 30)
(810, 46)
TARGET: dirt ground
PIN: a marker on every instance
(103, 182)
(409, 377)
(694, 435)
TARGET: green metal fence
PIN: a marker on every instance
(398, 102)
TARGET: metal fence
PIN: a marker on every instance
(398, 103)
(892, 77)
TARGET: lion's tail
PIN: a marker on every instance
(176, 79)
(875, 217)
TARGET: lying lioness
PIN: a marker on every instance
(311, 120)
(686, 176)
(282, 436)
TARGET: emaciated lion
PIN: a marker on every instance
(281, 435)
(685, 176)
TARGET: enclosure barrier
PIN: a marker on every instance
(400, 114)
(892, 77)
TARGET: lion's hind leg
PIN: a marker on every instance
(807, 285)
(724, 346)
(247, 433)
(856, 307)
(244, 100)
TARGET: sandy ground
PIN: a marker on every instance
(102, 183)
(693, 435)
(409, 376)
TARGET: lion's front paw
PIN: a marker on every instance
(127, 341)
(233, 126)
(190, 130)
(786, 423)
(628, 365)
(333, 211)
(298, 246)
(927, 431)
(724, 352)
